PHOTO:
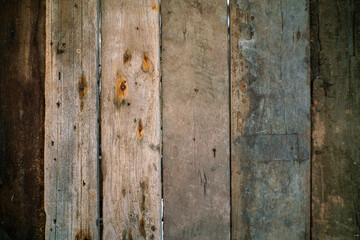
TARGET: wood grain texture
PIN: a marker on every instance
(130, 113)
(270, 128)
(336, 119)
(71, 119)
(196, 173)
(22, 61)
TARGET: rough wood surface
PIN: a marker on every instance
(22, 36)
(130, 113)
(196, 173)
(71, 119)
(270, 128)
(336, 119)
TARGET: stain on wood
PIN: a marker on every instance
(71, 100)
(127, 57)
(140, 129)
(82, 236)
(121, 88)
(195, 83)
(146, 63)
(270, 127)
(130, 49)
(22, 75)
(82, 87)
(335, 37)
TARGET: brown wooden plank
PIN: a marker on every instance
(22, 36)
(130, 112)
(71, 119)
(336, 119)
(196, 174)
(270, 128)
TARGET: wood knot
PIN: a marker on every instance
(239, 14)
(82, 86)
(243, 86)
(140, 130)
(127, 57)
(146, 63)
(60, 48)
(121, 89)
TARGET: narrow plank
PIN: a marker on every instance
(71, 119)
(22, 74)
(130, 113)
(196, 174)
(270, 128)
(336, 119)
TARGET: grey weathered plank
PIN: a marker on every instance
(71, 119)
(195, 120)
(22, 73)
(270, 128)
(336, 119)
(130, 113)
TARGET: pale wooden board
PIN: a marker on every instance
(336, 119)
(130, 113)
(71, 119)
(195, 80)
(270, 128)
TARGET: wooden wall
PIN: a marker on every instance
(188, 119)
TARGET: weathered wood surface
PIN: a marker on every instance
(196, 173)
(270, 128)
(22, 36)
(71, 131)
(336, 119)
(130, 113)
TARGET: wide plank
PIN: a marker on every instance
(130, 119)
(195, 80)
(270, 127)
(71, 119)
(22, 111)
(335, 119)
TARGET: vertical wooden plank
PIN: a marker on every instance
(22, 65)
(71, 119)
(130, 113)
(336, 119)
(196, 174)
(270, 129)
